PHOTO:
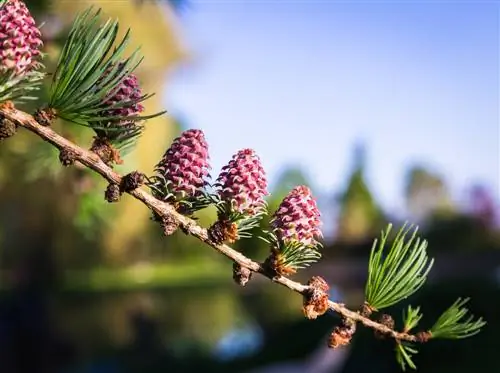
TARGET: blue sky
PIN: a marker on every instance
(301, 81)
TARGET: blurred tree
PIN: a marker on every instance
(482, 205)
(359, 216)
(426, 195)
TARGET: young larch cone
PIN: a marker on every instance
(241, 187)
(185, 165)
(122, 102)
(295, 229)
(20, 39)
(297, 218)
(242, 183)
(128, 91)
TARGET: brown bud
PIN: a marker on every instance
(318, 282)
(112, 193)
(342, 334)
(315, 301)
(45, 116)
(366, 310)
(385, 320)
(222, 231)
(7, 128)
(169, 225)
(423, 337)
(276, 264)
(241, 275)
(67, 157)
(103, 148)
(132, 181)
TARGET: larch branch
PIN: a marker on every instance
(93, 162)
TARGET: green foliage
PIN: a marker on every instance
(245, 222)
(406, 350)
(398, 273)
(20, 88)
(453, 324)
(91, 66)
(161, 188)
(411, 318)
(404, 355)
(293, 255)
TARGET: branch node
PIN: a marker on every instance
(423, 337)
(366, 310)
(67, 157)
(241, 275)
(7, 128)
(275, 263)
(45, 116)
(107, 152)
(132, 181)
(342, 334)
(315, 301)
(387, 321)
(223, 230)
(112, 193)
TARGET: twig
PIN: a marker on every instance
(93, 162)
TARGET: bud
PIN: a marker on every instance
(385, 320)
(342, 334)
(241, 275)
(132, 181)
(169, 225)
(7, 128)
(297, 219)
(184, 168)
(112, 193)
(20, 39)
(316, 298)
(67, 157)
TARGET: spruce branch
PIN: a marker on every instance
(398, 273)
(454, 323)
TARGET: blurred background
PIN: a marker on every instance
(387, 110)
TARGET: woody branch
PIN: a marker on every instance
(165, 210)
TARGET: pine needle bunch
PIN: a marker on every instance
(182, 175)
(295, 230)
(20, 52)
(240, 191)
(398, 272)
(94, 85)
